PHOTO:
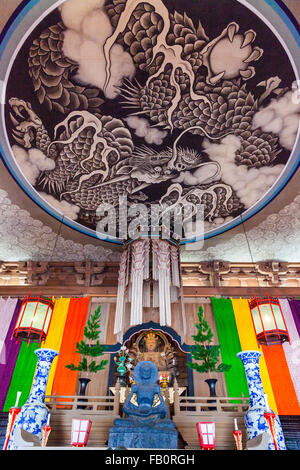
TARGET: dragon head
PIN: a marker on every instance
(25, 122)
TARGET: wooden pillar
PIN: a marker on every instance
(176, 399)
(117, 398)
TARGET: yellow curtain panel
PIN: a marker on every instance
(248, 341)
(55, 334)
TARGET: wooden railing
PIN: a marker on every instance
(200, 405)
(183, 405)
(90, 404)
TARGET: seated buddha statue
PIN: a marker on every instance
(149, 349)
(145, 406)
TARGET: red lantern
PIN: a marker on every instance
(80, 432)
(206, 434)
(34, 319)
(268, 321)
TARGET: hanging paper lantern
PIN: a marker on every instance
(34, 319)
(268, 321)
(149, 276)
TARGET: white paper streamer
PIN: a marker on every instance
(137, 282)
(121, 294)
(137, 278)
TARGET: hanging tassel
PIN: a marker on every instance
(155, 299)
(174, 294)
(147, 259)
(181, 297)
(137, 278)
(147, 294)
(155, 250)
(175, 266)
(163, 268)
(121, 294)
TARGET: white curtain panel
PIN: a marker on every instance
(7, 308)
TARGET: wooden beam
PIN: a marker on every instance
(191, 291)
(111, 291)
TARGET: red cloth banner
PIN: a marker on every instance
(64, 382)
(282, 384)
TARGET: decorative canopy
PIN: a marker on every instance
(149, 276)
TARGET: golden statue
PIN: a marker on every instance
(153, 346)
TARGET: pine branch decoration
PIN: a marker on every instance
(91, 332)
(203, 352)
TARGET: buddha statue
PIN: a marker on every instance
(151, 347)
(146, 424)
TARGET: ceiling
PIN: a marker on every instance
(262, 194)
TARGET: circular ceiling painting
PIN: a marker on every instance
(158, 104)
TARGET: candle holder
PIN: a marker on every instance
(12, 414)
(237, 434)
(46, 432)
(270, 418)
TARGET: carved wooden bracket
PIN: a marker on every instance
(89, 274)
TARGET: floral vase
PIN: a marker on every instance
(255, 421)
(34, 413)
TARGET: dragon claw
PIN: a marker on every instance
(25, 121)
(227, 56)
(216, 78)
(232, 29)
(255, 55)
(248, 73)
(249, 37)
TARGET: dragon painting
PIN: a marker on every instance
(182, 90)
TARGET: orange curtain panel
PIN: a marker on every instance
(64, 382)
(248, 342)
(55, 334)
(283, 388)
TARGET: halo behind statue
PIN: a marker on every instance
(153, 377)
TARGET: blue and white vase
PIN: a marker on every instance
(34, 413)
(255, 422)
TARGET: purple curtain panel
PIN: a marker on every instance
(295, 308)
(11, 353)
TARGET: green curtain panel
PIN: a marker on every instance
(22, 377)
(236, 381)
